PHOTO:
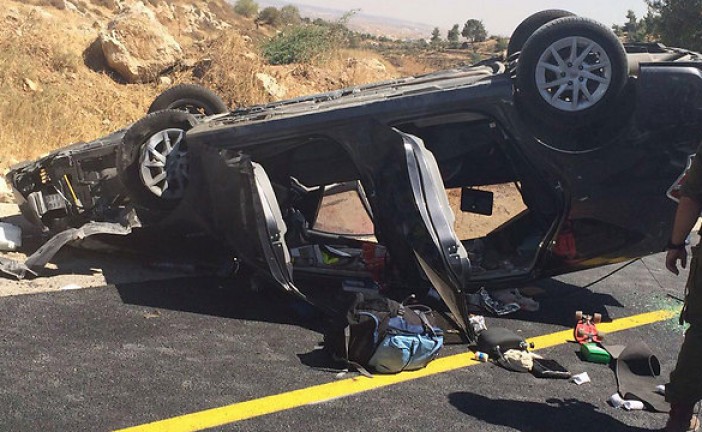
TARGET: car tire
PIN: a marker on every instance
(152, 161)
(532, 23)
(570, 88)
(191, 98)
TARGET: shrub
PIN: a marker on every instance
(301, 44)
(290, 15)
(270, 16)
(502, 43)
(247, 8)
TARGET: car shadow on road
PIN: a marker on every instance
(527, 416)
(235, 298)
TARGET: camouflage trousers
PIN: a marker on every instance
(685, 385)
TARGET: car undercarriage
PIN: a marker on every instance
(351, 189)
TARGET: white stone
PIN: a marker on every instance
(271, 85)
(137, 46)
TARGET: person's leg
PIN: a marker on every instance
(685, 387)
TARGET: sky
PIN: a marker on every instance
(499, 16)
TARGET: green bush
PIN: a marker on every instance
(290, 15)
(502, 43)
(270, 16)
(301, 44)
(247, 8)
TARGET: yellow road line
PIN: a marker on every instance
(320, 393)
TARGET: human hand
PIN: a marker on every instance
(672, 257)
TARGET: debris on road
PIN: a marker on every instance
(581, 378)
(42, 256)
(10, 237)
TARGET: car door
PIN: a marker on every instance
(414, 219)
(246, 215)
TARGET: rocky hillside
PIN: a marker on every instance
(73, 70)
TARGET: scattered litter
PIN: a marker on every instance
(341, 374)
(581, 378)
(518, 360)
(42, 256)
(154, 314)
(547, 368)
(477, 322)
(593, 353)
(633, 405)
(481, 357)
(10, 237)
(496, 306)
(513, 295)
(616, 401)
(70, 287)
(630, 405)
(660, 389)
(585, 330)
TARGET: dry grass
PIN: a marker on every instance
(71, 102)
(228, 67)
(78, 99)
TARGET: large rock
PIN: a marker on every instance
(270, 84)
(137, 46)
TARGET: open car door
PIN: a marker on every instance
(417, 221)
(246, 212)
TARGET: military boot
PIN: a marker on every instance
(682, 418)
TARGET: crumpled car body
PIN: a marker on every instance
(259, 179)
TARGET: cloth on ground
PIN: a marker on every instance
(638, 374)
(614, 350)
(518, 360)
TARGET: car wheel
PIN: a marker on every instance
(191, 98)
(532, 23)
(152, 161)
(571, 71)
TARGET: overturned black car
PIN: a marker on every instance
(348, 189)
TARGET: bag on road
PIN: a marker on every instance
(386, 336)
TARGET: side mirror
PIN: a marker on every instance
(476, 201)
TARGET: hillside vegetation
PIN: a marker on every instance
(57, 88)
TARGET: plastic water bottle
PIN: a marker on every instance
(481, 357)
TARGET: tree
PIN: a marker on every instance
(290, 14)
(435, 37)
(631, 24)
(247, 8)
(270, 16)
(634, 29)
(474, 31)
(452, 36)
(677, 22)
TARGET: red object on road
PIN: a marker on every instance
(586, 328)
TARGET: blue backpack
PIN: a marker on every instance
(388, 337)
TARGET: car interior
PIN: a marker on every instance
(329, 220)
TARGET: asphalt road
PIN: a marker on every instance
(119, 356)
